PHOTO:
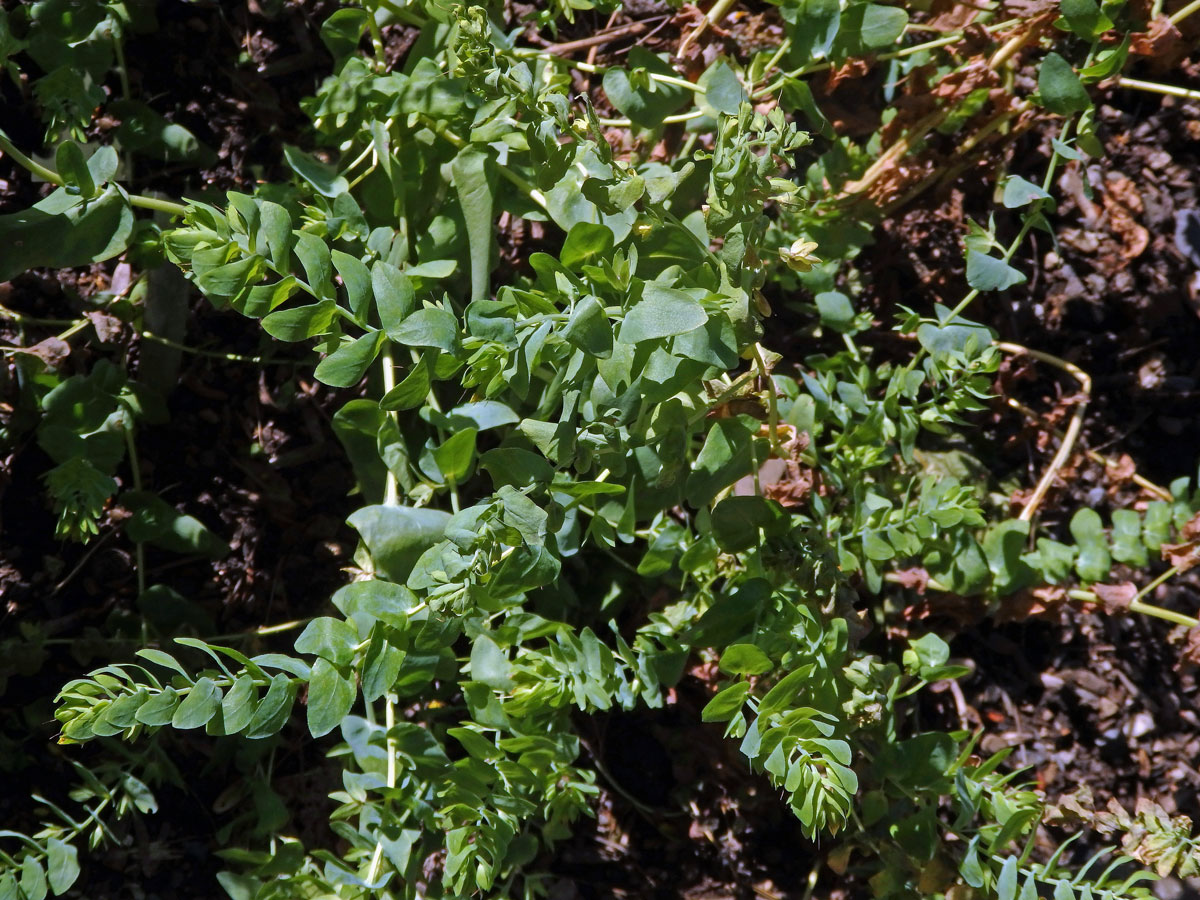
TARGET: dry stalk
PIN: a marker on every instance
(1072, 434)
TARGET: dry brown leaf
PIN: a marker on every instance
(1162, 44)
(851, 69)
(951, 15)
(108, 328)
(916, 578)
(1182, 556)
(1191, 528)
(52, 351)
(1122, 469)
(1122, 204)
(958, 85)
(1189, 656)
(963, 611)
(1043, 602)
(1115, 598)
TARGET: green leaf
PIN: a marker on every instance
(1084, 18)
(986, 273)
(355, 276)
(724, 458)
(200, 705)
(275, 230)
(926, 652)
(429, 327)
(341, 32)
(330, 697)
(722, 89)
(1127, 545)
(329, 638)
(455, 455)
(60, 232)
(274, 709)
(239, 704)
(1094, 562)
(661, 313)
(476, 196)
(586, 244)
(745, 659)
(71, 165)
(836, 311)
(394, 296)
(876, 548)
(1156, 526)
(1003, 546)
(166, 660)
(482, 415)
(149, 134)
(33, 878)
(589, 328)
(300, 323)
(1006, 884)
(725, 705)
(1018, 192)
(157, 522)
(628, 192)
(517, 467)
(784, 692)
(62, 865)
(814, 28)
(645, 101)
(736, 521)
(159, 709)
(322, 177)
(412, 390)
(882, 26)
(1059, 87)
(396, 535)
(381, 666)
(489, 664)
(347, 365)
(315, 257)
(1055, 560)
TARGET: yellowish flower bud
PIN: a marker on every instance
(800, 257)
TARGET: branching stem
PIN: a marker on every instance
(1073, 427)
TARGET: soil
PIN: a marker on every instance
(1085, 698)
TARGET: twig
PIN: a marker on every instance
(1107, 461)
(601, 38)
(1177, 17)
(1068, 442)
(715, 14)
(1154, 87)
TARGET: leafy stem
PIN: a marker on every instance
(35, 168)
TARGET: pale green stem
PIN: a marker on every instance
(1182, 14)
(36, 168)
(893, 54)
(1154, 87)
(139, 547)
(169, 207)
(392, 747)
(391, 490)
(215, 354)
(27, 163)
(21, 319)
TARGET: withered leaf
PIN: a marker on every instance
(1115, 598)
(52, 351)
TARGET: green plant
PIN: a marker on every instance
(562, 471)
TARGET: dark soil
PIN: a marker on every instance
(1085, 699)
